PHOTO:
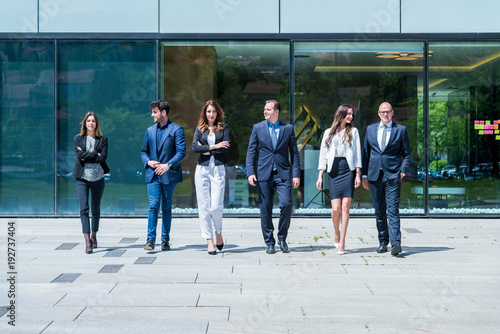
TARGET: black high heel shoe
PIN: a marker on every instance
(219, 247)
(212, 252)
(93, 238)
(88, 244)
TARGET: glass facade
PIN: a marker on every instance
(27, 116)
(464, 137)
(48, 86)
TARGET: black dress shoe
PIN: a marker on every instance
(165, 245)
(284, 246)
(150, 245)
(219, 247)
(270, 249)
(396, 249)
(382, 249)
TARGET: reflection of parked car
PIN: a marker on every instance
(449, 172)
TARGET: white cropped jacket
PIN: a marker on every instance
(353, 153)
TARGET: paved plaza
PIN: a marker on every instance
(447, 280)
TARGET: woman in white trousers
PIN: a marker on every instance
(211, 140)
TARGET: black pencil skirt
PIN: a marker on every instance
(341, 179)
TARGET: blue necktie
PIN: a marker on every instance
(274, 138)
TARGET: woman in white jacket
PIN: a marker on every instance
(340, 157)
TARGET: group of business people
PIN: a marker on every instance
(272, 164)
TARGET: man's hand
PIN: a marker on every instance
(252, 179)
(162, 169)
(153, 164)
(366, 184)
(296, 182)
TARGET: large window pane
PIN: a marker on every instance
(362, 75)
(464, 136)
(27, 135)
(240, 76)
(117, 81)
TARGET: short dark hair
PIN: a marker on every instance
(161, 105)
(276, 104)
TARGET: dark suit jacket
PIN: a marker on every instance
(219, 154)
(395, 158)
(261, 155)
(82, 157)
(171, 150)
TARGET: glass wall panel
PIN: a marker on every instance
(27, 138)
(117, 81)
(464, 137)
(362, 74)
(240, 76)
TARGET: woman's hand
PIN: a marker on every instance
(319, 183)
(222, 144)
(357, 180)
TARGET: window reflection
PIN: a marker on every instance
(463, 128)
(27, 134)
(362, 75)
(240, 76)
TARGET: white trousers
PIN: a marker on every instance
(209, 182)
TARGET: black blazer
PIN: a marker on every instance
(219, 154)
(82, 157)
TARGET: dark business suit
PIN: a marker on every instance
(261, 157)
(170, 150)
(383, 169)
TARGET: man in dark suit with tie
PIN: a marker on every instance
(273, 163)
(386, 158)
(163, 149)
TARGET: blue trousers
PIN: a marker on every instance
(385, 197)
(266, 195)
(164, 194)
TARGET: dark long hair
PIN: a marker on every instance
(219, 120)
(83, 131)
(340, 114)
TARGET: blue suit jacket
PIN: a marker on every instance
(171, 150)
(395, 158)
(261, 155)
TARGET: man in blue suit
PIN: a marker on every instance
(163, 149)
(269, 167)
(386, 158)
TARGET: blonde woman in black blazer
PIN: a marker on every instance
(211, 140)
(91, 149)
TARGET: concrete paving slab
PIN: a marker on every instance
(445, 281)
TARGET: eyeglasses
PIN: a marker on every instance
(385, 112)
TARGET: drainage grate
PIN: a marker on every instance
(67, 246)
(66, 278)
(128, 240)
(111, 268)
(115, 253)
(145, 260)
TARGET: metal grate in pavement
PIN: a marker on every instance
(111, 268)
(67, 246)
(66, 278)
(145, 260)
